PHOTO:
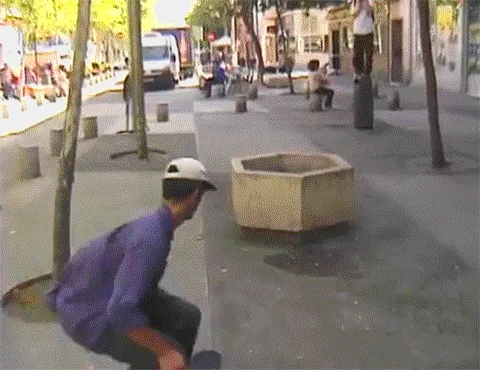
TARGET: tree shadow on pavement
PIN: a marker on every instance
(206, 360)
(28, 304)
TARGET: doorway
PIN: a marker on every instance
(396, 65)
(336, 50)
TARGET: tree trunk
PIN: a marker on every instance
(35, 45)
(438, 156)
(286, 50)
(61, 225)
(22, 74)
(136, 72)
(256, 43)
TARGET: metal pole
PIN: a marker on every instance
(464, 48)
(389, 38)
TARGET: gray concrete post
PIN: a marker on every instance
(220, 90)
(252, 93)
(375, 90)
(363, 104)
(56, 142)
(315, 103)
(240, 103)
(162, 112)
(29, 162)
(5, 113)
(394, 101)
(39, 97)
(90, 127)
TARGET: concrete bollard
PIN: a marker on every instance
(394, 101)
(315, 103)
(29, 162)
(39, 97)
(162, 112)
(23, 104)
(363, 104)
(220, 90)
(375, 91)
(90, 127)
(102, 77)
(51, 95)
(5, 114)
(90, 80)
(56, 142)
(252, 93)
(240, 103)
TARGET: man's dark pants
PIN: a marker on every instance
(328, 92)
(173, 317)
(363, 53)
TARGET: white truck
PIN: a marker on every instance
(161, 62)
(11, 47)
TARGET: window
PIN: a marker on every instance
(155, 52)
(326, 44)
(309, 24)
(312, 44)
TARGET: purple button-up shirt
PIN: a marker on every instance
(104, 284)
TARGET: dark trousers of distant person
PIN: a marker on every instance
(363, 54)
(173, 317)
(328, 93)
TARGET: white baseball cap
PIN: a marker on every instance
(188, 169)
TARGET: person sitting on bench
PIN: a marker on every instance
(317, 83)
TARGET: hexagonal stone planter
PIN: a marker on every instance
(292, 192)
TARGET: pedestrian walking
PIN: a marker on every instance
(6, 80)
(364, 20)
(62, 81)
(108, 299)
(127, 98)
(318, 83)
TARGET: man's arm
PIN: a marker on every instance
(355, 8)
(132, 282)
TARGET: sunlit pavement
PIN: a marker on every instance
(398, 289)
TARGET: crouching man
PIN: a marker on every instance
(317, 83)
(108, 299)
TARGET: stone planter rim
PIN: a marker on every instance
(7, 297)
(340, 165)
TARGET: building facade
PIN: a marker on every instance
(455, 35)
(393, 31)
(307, 36)
(471, 65)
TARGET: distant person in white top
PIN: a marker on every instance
(362, 11)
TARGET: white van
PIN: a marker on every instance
(160, 59)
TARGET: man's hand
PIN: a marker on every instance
(169, 357)
(173, 360)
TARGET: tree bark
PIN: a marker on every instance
(438, 156)
(61, 225)
(258, 49)
(286, 49)
(22, 75)
(35, 45)
(136, 75)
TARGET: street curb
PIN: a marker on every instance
(54, 115)
(7, 297)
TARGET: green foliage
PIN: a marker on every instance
(51, 17)
(212, 14)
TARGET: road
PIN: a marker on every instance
(397, 289)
